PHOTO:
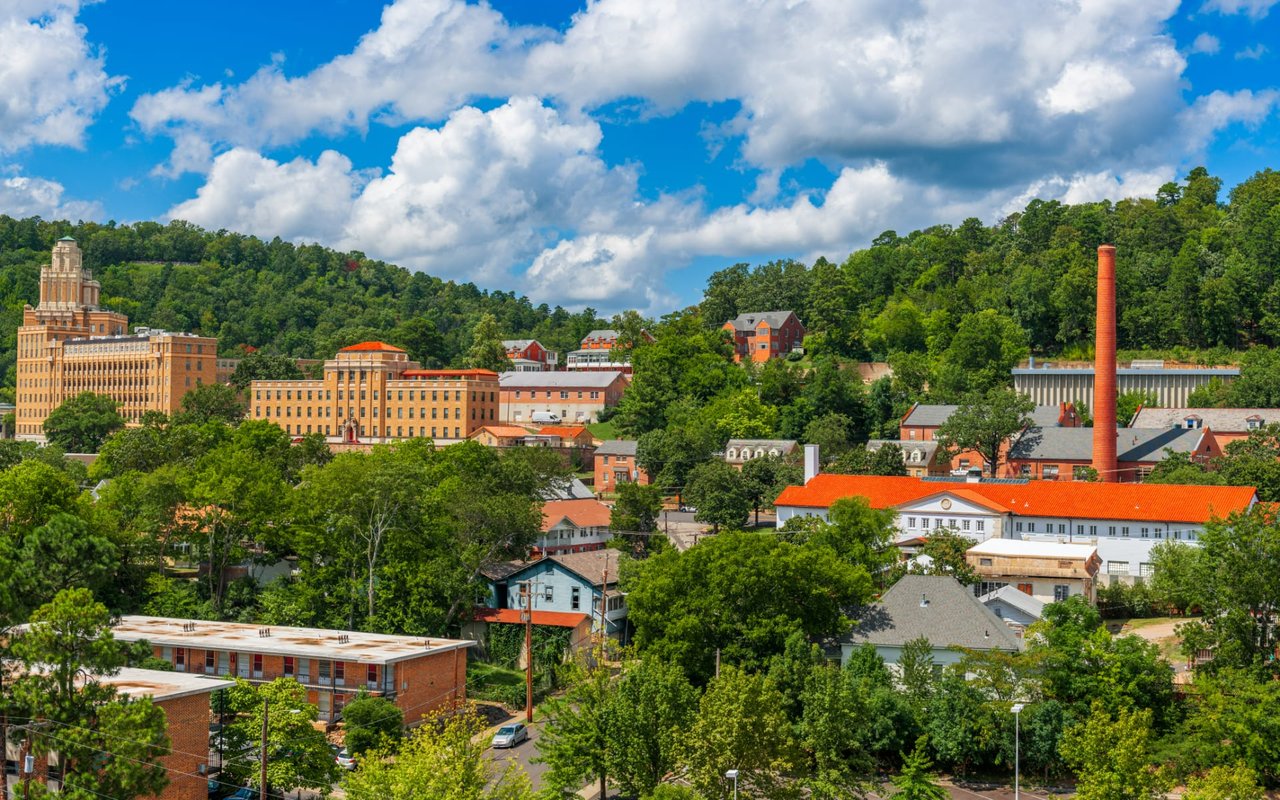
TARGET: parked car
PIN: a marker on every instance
(344, 759)
(510, 735)
(246, 793)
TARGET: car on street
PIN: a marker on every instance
(510, 735)
(245, 793)
(344, 759)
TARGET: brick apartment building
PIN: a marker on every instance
(184, 698)
(575, 397)
(419, 674)
(528, 355)
(763, 335)
(615, 463)
(68, 344)
(1228, 424)
(372, 393)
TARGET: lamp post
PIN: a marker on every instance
(1017, 710)
(733, 776)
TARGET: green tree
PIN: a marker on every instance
(1253, 461)
(916, 670)
(1230, 721)
(635, 512)
(1181, 469)
(740, 725)
(857, 533)
(442, 758)
(1178, 575)
(832, 433)
(1111, 756)
(984, 423)
(1127, 404)
(651, 708)
(720, 494)
(765, 478)
(82, 423)
(979, 357)
(916, 781)
(260, 366)
(298, 754)
(211, 401)
(486, 351)
(887, 459)
(66, 653)
(372, 723)
(577, 742)
(946, 551)
(1225, 783)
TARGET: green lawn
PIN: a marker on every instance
(603, 430)
(494, 675)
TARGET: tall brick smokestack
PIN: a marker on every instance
(1104, 368)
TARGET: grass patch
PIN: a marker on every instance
(1137, 624)
(604, 430)
(493, 675)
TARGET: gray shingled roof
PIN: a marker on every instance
(601, 333)
(557, 380)
(1076, 444)
(933, 415)
(748, 322)
(785, 445)
(591, 564)
(952, 617)
(1221, 420)
(617, 447)
(514, 343)
(927, 449)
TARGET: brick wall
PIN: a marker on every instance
(188, 720)
(430, 682)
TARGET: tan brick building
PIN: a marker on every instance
(420, 674)
(371, 392)
(68, 345)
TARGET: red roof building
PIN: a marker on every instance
(574, 526)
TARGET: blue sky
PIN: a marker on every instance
(612, 154)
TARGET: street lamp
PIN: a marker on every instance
(733, 776)
(1017, 709)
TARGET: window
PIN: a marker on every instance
(1146, 570)
(339, 673)
(984, 562)
(966, 524)
(1050, 472)
(210, 662)
(1061, 592)
(180, 659)
(1025, 588)
(549, 594)
(1111, 530)
(371, 674)
(982, 525)
(1062, 528)
(937, 523)
(1145, 533)
(1018, 527)
(323, 670)
(575, 597)
(1118, 567)
(1093, 530)
(1159, 533)
(257, 665)
(288, 666)
(1124, 532)
(911, 522)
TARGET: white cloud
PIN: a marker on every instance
(1085, 87)
(1206, 43)
(1217, 110)
(1254, 9)
(1253, 53)
(53, 82)
(24, 196)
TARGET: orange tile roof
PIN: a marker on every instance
(564, 432)
(583, 513)
(1059, 499)
(558, 619)
(366, 346)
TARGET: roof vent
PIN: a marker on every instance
(264, 633)
(188, 627)
(924, 600)
(343, 638)
(986, 634)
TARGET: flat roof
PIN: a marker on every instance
(1209, 371)
(321, 643)
(162, 685)
(562, 380)
(1028, 549)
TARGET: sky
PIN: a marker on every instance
(614, 153)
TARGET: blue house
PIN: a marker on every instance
(565, 582)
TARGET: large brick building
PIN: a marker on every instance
(763, 335)
(420, 674)
(528, 355)
(573, 397)
(68, 344)
(371, 392)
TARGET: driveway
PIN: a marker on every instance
(521, 754)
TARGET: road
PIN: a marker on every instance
(521, 754)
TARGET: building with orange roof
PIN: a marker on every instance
(372, 393)
(565, 584)
(569, 435)
(500, 435)
(574, 526)
(1124, 521)
(763, 335)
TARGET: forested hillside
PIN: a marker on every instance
(1194, 272)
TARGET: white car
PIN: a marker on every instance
(344, 759)
(510, 735)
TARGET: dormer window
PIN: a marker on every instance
(915, 456)
(732, 454)
(1254, 422)
(1192, 422)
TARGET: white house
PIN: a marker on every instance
(574, 526)
(1018, 609)
(1124, 521)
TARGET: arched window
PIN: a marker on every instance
(732, 454)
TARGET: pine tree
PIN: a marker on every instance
(917, 781)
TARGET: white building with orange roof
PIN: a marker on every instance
(574, 526)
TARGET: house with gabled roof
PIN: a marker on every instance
(528, 355)
(566, 583)
(762, 335)
(574, 526)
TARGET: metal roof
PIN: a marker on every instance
(749, 321)
(1016, 598)
(1076, 444)
(560, 380)
(1233, 372)
(1026, 548)
(931, 415)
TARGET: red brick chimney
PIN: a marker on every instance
(1104, 368)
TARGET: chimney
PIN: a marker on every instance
(811, 468)
(1104, 368)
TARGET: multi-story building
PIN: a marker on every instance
(922, 458)
(763, 335)
(68, 344)
(528, 355)
(419, 674)
(574, 526)
(922, 420)
(1065, 454)
(574, 583)
(1124, 521)
(1048, 571)
(1171, 386)
(615, 463)
(739, 451)
(371, 392)
(599, 350)
(572, 397)
(184, 699)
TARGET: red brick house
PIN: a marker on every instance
(420, 674)
(528, 355)
(763, 335)
(1064, 454)
(615, 463)
(922, 420)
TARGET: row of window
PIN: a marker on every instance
(1124, 531)
(250, 665)
(1145, 569)
(400, 432)
(564, 395)
(926, 523)
(315, 394)
(261, 412)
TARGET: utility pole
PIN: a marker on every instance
(717, 662)
(4, 750)
(528, 651)
(262, 788)
(604, 592)
(28, 767)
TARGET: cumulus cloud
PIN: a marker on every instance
(1253, 53)
(53, 82)
(1206, 43)
(1217, 110)
(25, 196)
(1254, 9)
